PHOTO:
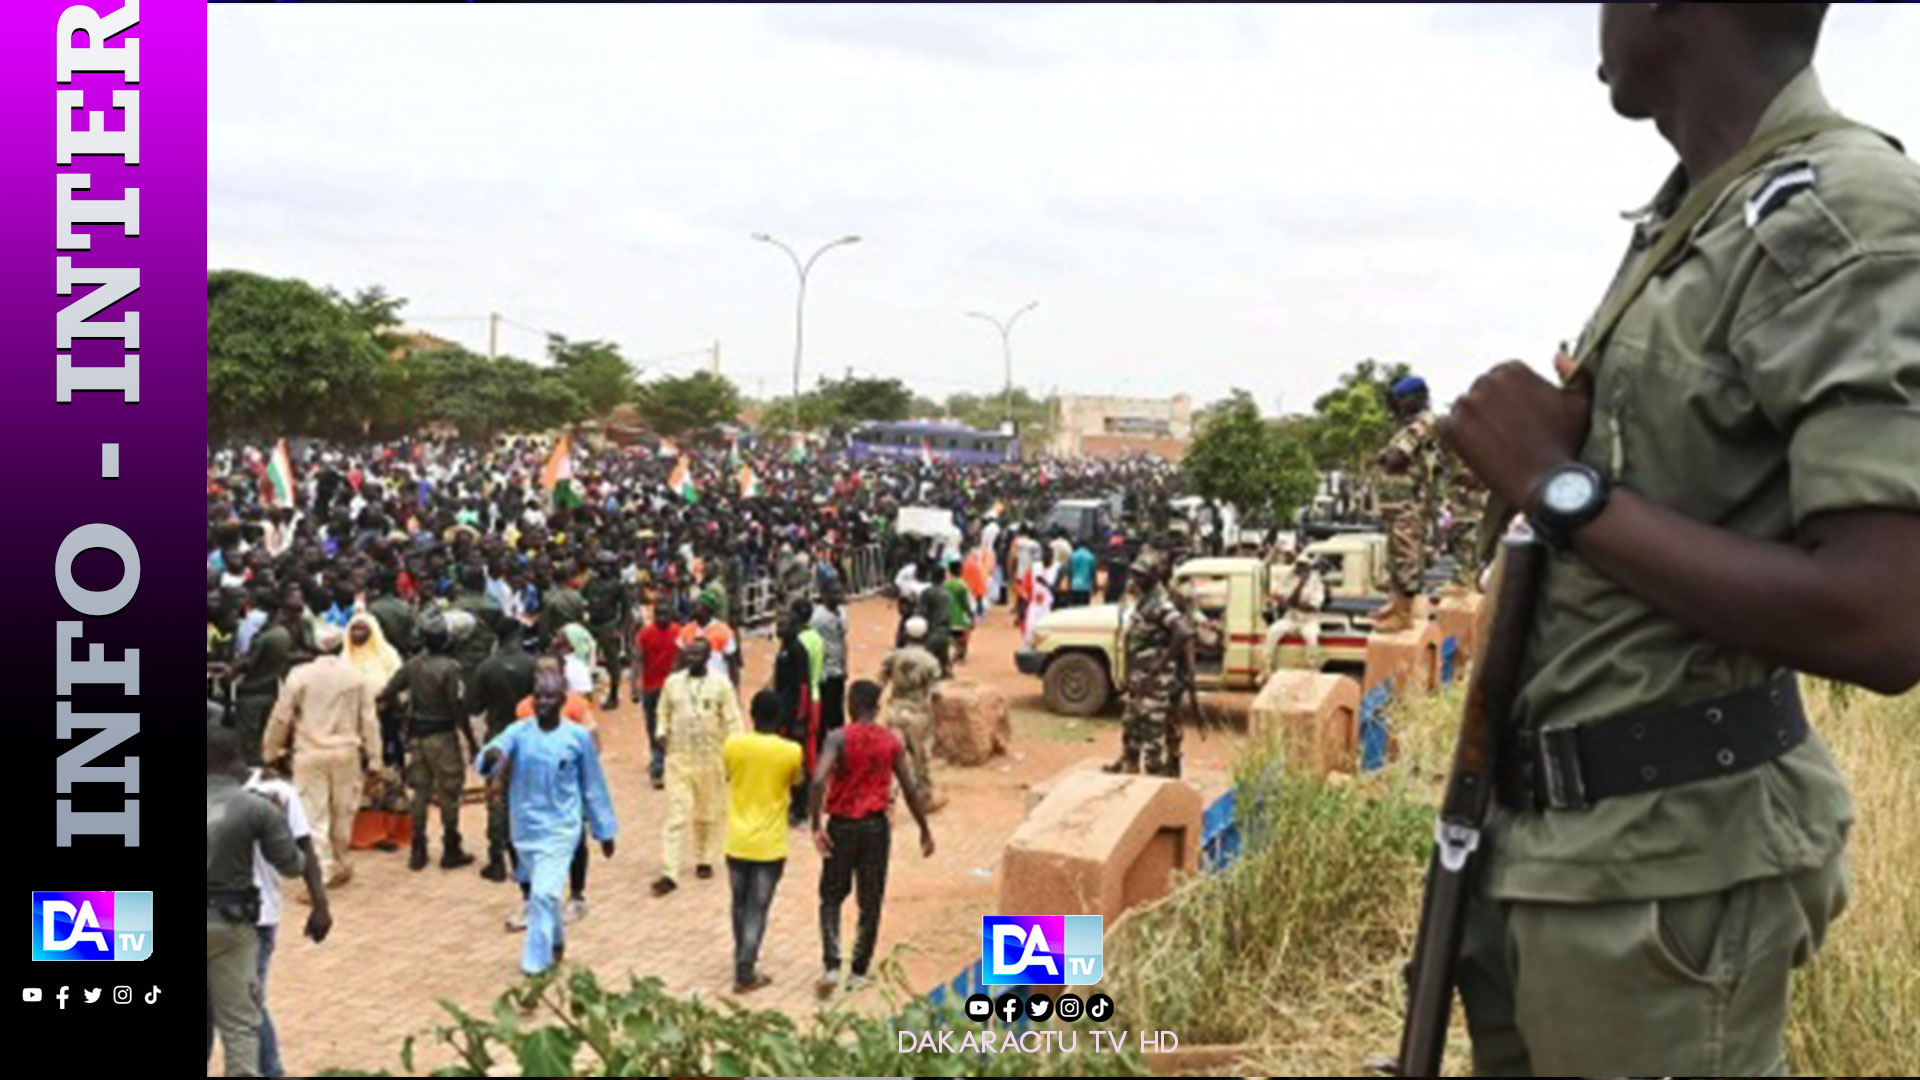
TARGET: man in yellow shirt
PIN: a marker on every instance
(762, 769)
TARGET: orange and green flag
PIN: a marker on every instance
(682, 480)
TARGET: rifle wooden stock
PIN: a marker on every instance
(1457, 854)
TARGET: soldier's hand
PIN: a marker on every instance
(1513, 426)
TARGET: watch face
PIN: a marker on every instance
(1568, 492)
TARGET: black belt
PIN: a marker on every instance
(1572, 768)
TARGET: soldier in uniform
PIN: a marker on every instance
(909, 672)
(561, 605)
(1157, 642)
(1467, 501)
(435, 690)
(609, 620)
(1729, 485)
(1407, 467)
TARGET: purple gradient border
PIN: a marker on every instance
(53, 453)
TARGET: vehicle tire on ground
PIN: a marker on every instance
(1077, 684)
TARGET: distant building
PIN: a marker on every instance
(1097, 426)
(418, 341)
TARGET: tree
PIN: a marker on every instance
(840, 405)
(1033, 417)
(285, 358)
(857, 401)
(1263, 469)
(595, 370)
(373, 311)
(700, 401)
(1352, 421)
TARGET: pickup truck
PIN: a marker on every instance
(1079, 655)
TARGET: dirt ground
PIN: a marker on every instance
(403, 940)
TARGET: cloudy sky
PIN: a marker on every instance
(1199, 198)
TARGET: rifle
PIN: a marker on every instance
(1184, 692)
(1458, 852)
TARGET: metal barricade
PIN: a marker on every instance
(866, 571)
(759, 605)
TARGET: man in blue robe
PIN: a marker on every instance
(551, 772)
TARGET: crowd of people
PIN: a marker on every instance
(382, 619)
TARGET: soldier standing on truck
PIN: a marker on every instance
(1405, 486)
(1157, 638)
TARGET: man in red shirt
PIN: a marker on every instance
(657, 649)
(858, 767)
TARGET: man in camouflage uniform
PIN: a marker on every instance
(1157, 641)
(910, 672)
(1405, 487)
(1467, 501)
(609, 620)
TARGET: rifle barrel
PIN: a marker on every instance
(1458, 852)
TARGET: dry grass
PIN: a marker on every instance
(1856, 1008)
(1296, 950)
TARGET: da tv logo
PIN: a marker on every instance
(1040, 950)
(92, 925)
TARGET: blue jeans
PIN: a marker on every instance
(270, 1064)
(752, 884)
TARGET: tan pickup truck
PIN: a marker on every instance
(1081, 661)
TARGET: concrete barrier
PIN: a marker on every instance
(1038, 791)
(1099, 844)
(1317, 716)
(971, 722)
(1456, 617)
(1411, 659)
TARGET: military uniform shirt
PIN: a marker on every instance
(436, 692)
(1151, 633)
(237, 820)
(1771, 374)
(269, 660)
(1418, 439)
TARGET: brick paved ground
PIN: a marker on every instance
(402, 940)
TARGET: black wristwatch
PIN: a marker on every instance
(1567, 497)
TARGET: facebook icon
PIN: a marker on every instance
(1040, 950)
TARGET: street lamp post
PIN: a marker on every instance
(1006, 347)
(800, 304)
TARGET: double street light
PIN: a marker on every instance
(800, 304)
(1006, 347)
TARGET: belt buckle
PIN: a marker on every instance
(1559, 785)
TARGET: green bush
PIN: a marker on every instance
(571, 1025)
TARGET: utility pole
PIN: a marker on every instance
(493, 334)
(800, 303)
(716, 356)
(1006, 348)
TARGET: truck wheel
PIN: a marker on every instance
(1077, 685)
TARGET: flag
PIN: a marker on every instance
(276, 486)
(557, 474)
(733, 453)
(926, 453)
(749, 483)
(798, 452)
(682, 480)
(667, 449)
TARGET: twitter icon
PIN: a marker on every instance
(91, 995)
